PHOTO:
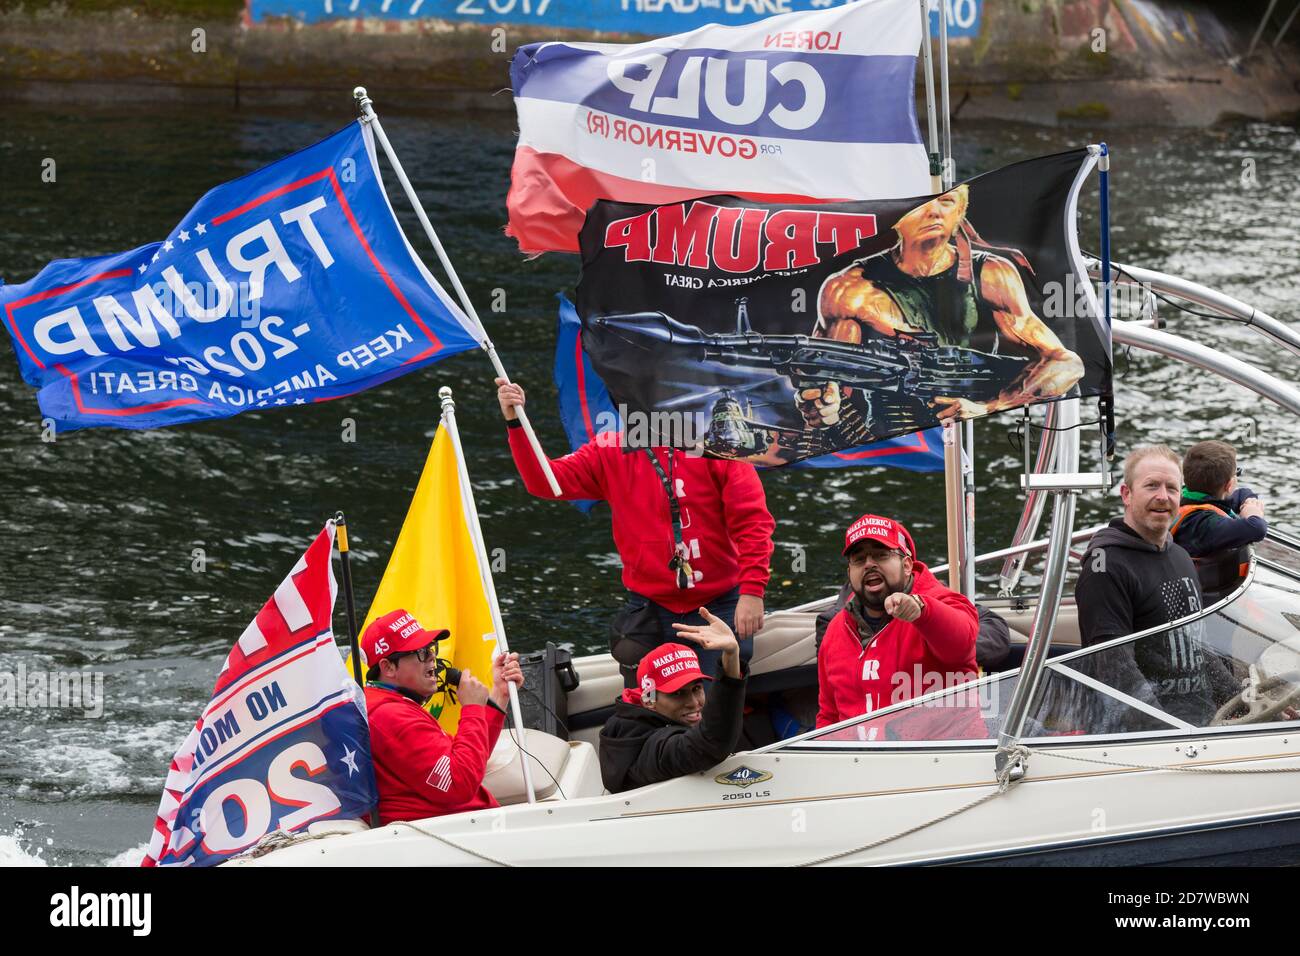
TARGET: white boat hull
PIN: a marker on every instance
(817, 805)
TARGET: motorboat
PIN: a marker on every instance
(1043, 762)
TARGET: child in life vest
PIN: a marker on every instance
(1218, 518)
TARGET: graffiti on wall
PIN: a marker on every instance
(650, 17)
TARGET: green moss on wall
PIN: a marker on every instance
(1085, 111)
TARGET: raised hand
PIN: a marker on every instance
(714, 635)
(509, 394)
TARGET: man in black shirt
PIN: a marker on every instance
(665, 727)
(1134, 577)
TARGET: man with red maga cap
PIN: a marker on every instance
(902, 634)
(421, 770)
(666, 727)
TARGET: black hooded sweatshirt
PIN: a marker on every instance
(1128, 585)
(640, 747)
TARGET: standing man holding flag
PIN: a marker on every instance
(692, 532)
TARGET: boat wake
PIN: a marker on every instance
(18, 849)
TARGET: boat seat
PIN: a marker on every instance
(1065, 634)
(567, 766)
(787, 640)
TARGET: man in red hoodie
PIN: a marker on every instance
(903, 634)
(708, 545)
(421, 770)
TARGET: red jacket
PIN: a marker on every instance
(423, 771)
(905, 660)
(725, 521)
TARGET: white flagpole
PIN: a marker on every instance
(959, 442)
(927, 61)
(949, 170)
(369, 116)
(485, 572)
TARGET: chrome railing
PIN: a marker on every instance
(1225, 305)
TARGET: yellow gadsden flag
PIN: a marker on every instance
(434, 573)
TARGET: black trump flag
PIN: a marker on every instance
(789, 331)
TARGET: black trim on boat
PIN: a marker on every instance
(1268, 840)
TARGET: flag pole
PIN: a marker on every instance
(959, 452)
(350, 604)
(949, 170)
(940, 174)
(485, 571)
(349, 601)
(927, 61)
(366, 108)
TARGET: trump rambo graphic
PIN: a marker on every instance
(940, 283)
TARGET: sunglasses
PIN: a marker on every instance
(422, 654)
(859, 558)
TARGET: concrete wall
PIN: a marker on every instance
(1174, 63)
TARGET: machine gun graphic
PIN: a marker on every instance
(907, 366)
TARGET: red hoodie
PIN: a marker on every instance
(421, 770)
(905, 660)
(725, 521)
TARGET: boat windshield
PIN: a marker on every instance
(1237, 665)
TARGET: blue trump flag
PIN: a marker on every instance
(586, 410)
(293, 284)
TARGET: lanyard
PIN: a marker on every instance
(678, 564)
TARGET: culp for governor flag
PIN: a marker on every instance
(434, 573)
(291, 285)
(805, 106)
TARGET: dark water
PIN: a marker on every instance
(98, 530)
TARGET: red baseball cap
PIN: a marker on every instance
(669, 667)
(885, 530)
(396, 631)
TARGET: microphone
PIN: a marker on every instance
(450, 676)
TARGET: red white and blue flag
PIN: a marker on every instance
(587, 410)
(803, 107)
(284, 740)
